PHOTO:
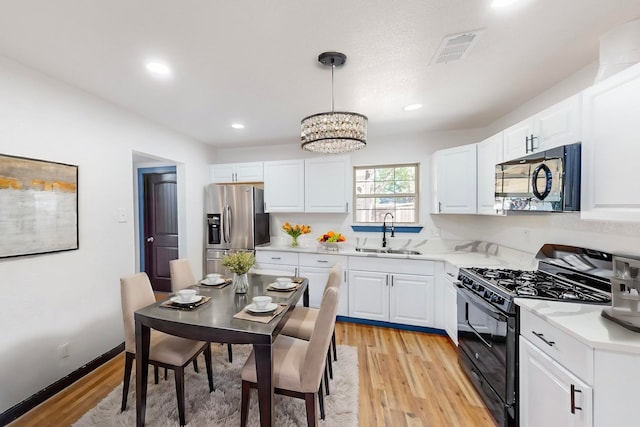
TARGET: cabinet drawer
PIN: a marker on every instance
(322, 260)
(390, 265)
(566, 350)
(273, 257)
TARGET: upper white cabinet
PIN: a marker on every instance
(313, 185)
(236, 172)
(558, 125)
(327, 184)
(284, 186)
(490, 153)
(455, 180)
(610, 148)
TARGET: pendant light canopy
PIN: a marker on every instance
(336, 131)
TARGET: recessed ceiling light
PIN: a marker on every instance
(237, 126)
(413, 107)
(158, 69)
(499, 4)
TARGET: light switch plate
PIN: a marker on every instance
(122, 215)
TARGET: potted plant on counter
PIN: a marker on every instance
(240, 263)
(295, 231)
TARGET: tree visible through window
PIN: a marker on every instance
(386, 188)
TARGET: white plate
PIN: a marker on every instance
(270, 307)
(179, 300)
(206, 282)
(276, 285)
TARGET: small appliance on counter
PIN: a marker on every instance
(235, 221)
(625, 284)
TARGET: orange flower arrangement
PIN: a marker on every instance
(295, 231)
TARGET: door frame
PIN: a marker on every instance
(141, 172)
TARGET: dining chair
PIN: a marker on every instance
(298, 365)
(182, 277)
(302, 320)
(166, 351)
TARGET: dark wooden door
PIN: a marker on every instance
(160, 228)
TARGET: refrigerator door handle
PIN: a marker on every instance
(229, 214)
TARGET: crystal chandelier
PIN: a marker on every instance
(336, 131)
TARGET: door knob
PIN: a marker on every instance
(150, 239)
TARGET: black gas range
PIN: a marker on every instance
(488, 322)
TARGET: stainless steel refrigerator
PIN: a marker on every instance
(235, 221)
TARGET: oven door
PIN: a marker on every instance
(487, 339)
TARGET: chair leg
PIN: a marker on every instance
(310, 403)
(330, 363)
(165, 374)
(244, 406)
(230, 353)
(179, 374)
(326, 378)
(155, 374)
(207, 361)
(321, 401)
(128, 364)
(195, 366)
(333, 344)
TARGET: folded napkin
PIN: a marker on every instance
(298, 280)
(170, 304)
(262, 318)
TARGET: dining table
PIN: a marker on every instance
(214, 321)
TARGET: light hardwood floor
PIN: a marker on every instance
(406, 379)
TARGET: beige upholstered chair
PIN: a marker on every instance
(165, 350)
(182, 277)
(297, 364)
(302, 320)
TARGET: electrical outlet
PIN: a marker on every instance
(63, 350)
(122, 215)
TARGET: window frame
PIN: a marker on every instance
(415, 195)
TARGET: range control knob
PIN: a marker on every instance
(497, 299)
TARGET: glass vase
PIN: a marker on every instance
(294, 241)
(240, 283)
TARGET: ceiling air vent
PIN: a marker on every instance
(455, 47)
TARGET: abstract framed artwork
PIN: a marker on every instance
(38, 206)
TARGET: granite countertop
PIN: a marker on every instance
(458, 253)
(584, 322)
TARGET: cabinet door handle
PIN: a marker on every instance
(387, 282)
(391, 281)
(439, 207)
(574, 390)
(322, 261)
(275, 257)
(346, 207)
(345, 276)
(546, 341)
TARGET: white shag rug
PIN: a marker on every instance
(222, 407)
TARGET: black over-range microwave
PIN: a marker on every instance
(548, 181)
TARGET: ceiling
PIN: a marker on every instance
(255, 61)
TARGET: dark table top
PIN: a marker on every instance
(213, 321)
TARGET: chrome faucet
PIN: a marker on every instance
(384, 229)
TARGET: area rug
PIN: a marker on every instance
(222, 407)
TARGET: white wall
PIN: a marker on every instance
(74, 297)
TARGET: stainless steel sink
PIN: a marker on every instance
(388, 251)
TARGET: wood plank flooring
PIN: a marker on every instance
(406, 379)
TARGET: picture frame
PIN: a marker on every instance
(38, 206)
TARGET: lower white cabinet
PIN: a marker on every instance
(397, 298)
(550, 395)
(450, 306)
(316, 268)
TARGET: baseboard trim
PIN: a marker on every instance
(31, 402)
(425, 329)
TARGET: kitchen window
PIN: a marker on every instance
(386, 188)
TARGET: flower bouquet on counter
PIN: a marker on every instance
(295, 231)
(330, 240)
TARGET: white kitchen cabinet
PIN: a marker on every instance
(610, 149)
(273, 261)
(236, 172)
(557, 125)
(316, 268)
(549, 394)
(284, 186)
(454, 188)
(392, 290)
(327, 184)
(449, 302)
(490, 153)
